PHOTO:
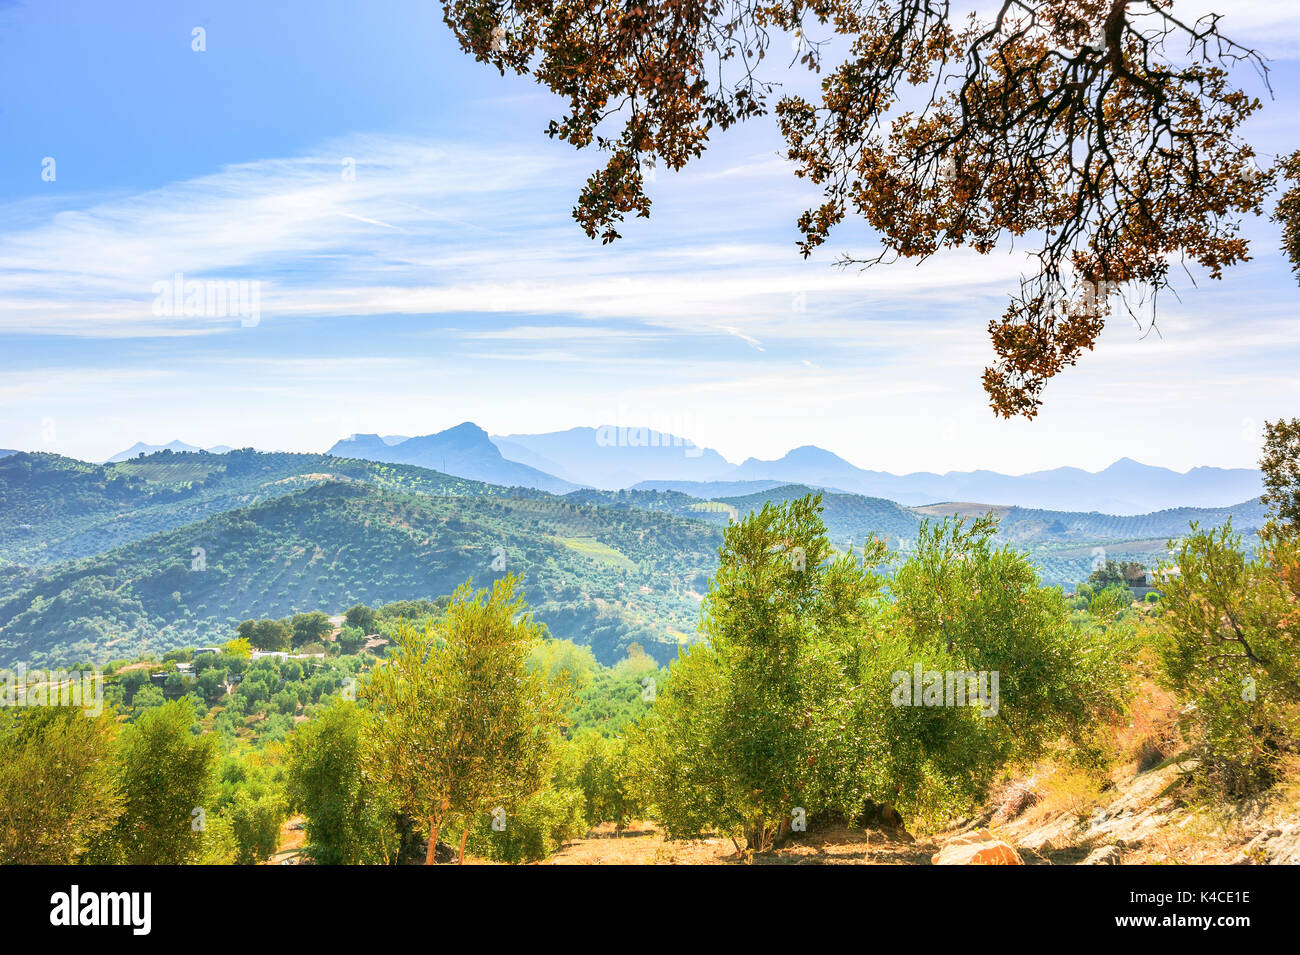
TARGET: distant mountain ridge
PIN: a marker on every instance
(1125, 487)
(616, 457)
(463, 451)
(611, 457)
(643, 459)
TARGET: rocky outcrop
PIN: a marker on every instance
(1138, 807)
(1104, 855)
(1277, 845)
(976, 848)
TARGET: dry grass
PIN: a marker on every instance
(1066, 790)
(1151, 734)
(1014, 800)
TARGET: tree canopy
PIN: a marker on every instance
(462, 724)
(1281, 469)
(1108, 131)
(58, 792)
(792, 708)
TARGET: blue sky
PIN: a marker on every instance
(447, 281)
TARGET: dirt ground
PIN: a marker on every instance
(1054, 816)
(643, 844)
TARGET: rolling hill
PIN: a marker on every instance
(598, 576)
(95, 560)
(1063, 545)
(54, 508)
(140, 448)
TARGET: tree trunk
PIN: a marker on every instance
(433, 842)
(463, 836)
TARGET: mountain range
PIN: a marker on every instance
(613, 458)
(464, 451)
(1125, 487)
(644, 459)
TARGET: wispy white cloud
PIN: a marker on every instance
(471, 294)
(423, 229)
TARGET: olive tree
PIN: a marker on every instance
(462, 723)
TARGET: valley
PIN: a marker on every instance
(172, 548)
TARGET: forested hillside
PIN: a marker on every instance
(602, 577)
(95, 560)
(54, 508)
(1063, 546)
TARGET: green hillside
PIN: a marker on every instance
(848, 517)
(597, 576)
(54, 508)
(95, 560)
(1062, 545)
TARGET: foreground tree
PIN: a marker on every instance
(1281, 468)
(349, 818)
(256, 823)
(1287, 211)
(753, 729)
(796, 707)
(166, 772)
(601, 768)
(462, 723)
(58, 791)
(966, 606)
(1230, 644)
(1107, 129)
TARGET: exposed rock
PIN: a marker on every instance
(976, 848)
(1103, 855)
(1273, 846)
(414, 853)
(1140, 807)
